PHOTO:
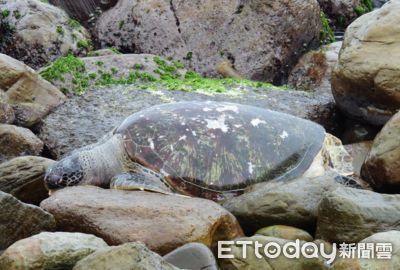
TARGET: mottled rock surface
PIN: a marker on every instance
(162, 222)
(23, 177)
(19, 220)
(366, 80)
(350, 215)
(262, 39)
(285, 232)
(59, 250)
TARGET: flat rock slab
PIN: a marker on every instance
(162, 222)
(82, 120)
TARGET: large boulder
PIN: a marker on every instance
(366, 80)
(83, 10)
(83, 120)
(59, 250)
(382, 165)
(350, 215)
(36, 32)
(294, 203)
(127, 256)
(31, 96)
(162, 222)
(19, 220)
(261, 39)
(23, 177)
(17, 141)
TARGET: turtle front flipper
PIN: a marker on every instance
(139, 181)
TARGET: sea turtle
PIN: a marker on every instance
(206, 149)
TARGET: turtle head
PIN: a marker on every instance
(66, 172)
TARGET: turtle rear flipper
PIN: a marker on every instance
(138, 181)
(339, 159)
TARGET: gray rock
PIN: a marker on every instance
(294, 203)
(58, 250)
(193, 256)
(129, 256)
(17, 141)
(7, 115)
(83, 120)
(36, 32)
(261, 39)
(350, 215)
(162, 222)
(23, 177)
(19, 220)
(340, 12)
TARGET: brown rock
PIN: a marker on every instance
(162, 222)
(19, 220)
(285, 232)
(366, 80)
(382, 165)
(7, 115)
(17, 141)
(23, 178)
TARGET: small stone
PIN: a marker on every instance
(23, 177)
(285, 232)
(58, 250)
(127, 256)
(19, 220)
(17, 141)
(194, 256)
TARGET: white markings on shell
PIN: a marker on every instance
(164, 173)
(218, 123)
(251, 167)
(151, 143)
(228, 107)
(284, 135)
(207, 109)
(194, 133)
(183, 138)
(256, 122)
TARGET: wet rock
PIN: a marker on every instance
(285, 232)
(7, 115)
(279, 263)
(19, 220)
(314, 69)
(262, 40)
(162, 222)
(194, 256)
(365, 81)
(17, 141)
(358, 151)
(382, 165)
(83, 10)
(127, 256)
(23, 177)
(356, 131)
(375, 263)
(37, 33)
(83, 120)
(350, 215)
(293, 203)
(59, 250)
(32, 97)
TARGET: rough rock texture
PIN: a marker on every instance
(23, 178)
(366, 80)
(19, 220)
(162, 222)
(59, 250)
(350, 215)
(119, 66)
(82, 10)
(314, 69)
(37, 33)
(127, 256)
(285, 232)
(382, 165)
(31, 97)
(17, 141)
(279, 263)
(261, 39)
(85, 119)
(7, 115)
(192, 256)
(294, 203)
(392, 237)
(340, 12)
